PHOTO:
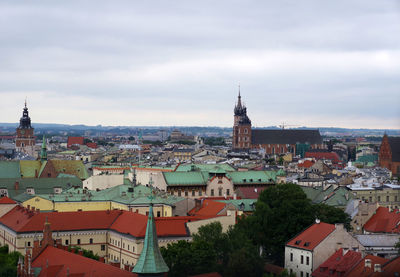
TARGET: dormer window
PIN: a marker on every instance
(57, 190)
(297, 242)
(30, 191)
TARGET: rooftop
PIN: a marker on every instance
(312, 236)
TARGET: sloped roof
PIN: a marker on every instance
(331, 196)
(390, 268)
(194, 178)
(361, 270)
(57, 262)
(306, 164)
(333, 156)
(204, 167)
(252, 177)
(30, 169)
(41, 185)
(249, 192)
(76, 168)
(6, 200)
(312, 236)
(394, 143)
(339, 263)
(259, 136)
(10, 169)
(383, 221)
(75, 140)
(245, 205)
(209, 207)
(21, 220)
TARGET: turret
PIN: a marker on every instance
(43, 152)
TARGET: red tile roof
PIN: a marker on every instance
(306, 164)
(389, 268)
(338, 263)
(75, 140)
(312, 236)
(61, 262)
(384, 221)
(208, 208)
(20, 219)
(91, 145)
(333, 156)
(6, 200)
(250, 192)
(361, 270)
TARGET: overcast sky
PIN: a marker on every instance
(308, 63)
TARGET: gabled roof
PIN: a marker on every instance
(340, 262)
(192, 178)
(6, 200)
(76, 168)
(384, 221)
(57, 262)
(30, 169)
(259, 136)
(252, 177)
(361, 270)
(249, 192)
(245, 205)
(333, 156)
(390, 268)
(339, 196)
(208, 208)
(312, 236)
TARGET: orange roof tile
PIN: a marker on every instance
(208, 208)
(361, 270)
(63, 263)
(338, 264)
(6, 200)
(75, 140)
(312, 236)
(383, 221)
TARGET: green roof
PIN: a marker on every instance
(10, 169)
(252, 177)
(40, 185)
(331, 196)
(204, 167)
(68, 152)
(246, 205)
(194, 178)
(30, 169)
(373, 158)
(150, 260)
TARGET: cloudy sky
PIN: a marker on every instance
(308, 63)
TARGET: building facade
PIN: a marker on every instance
(389, 154)
(271, 141)
(25, 139)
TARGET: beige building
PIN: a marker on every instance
(305, 252)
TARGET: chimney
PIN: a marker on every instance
(377, 268)
(33, 209)
(16, 186)
(367, 263)
(234, 196)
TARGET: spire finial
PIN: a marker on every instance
(239, 90)
(25, 101)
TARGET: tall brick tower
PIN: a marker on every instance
(25, 140)
(241, 127)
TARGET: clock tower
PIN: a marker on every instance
(25, 140)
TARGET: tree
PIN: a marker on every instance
(283, 211)
(8, 262)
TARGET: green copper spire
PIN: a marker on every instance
(150, 261)
(43, 153)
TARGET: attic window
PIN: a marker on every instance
(244, 180)
(307, 243)
(297, 242)
(259, 180)
(251, 180)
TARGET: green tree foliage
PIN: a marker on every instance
(213, 141)
(86, 253)
(8, 262)
(231, 254)
(283, 211)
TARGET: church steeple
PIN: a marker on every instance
(150, 262)
(43, 152)
(25, 121)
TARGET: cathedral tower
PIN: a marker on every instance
(25, 140)
(241, 127)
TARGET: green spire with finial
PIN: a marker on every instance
(150, 260)
(43, 153)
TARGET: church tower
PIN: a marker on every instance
(25, 140)
(241, 127)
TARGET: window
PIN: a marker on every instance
(291, 257)
(301, 274)
(307, 260)
(133, 249)
(387, 198)
(179, 193)
(103, 247)
(212, 192)
(66, 242)
(186, 193)
(158, 213)
(200, 192)
(48, 174)
(79, 241)
(91, 241)
(246, 131)
(227, 191)
(220, 191)
(128, 246)
(302, 259)
(308, 274)
(379, 198)
(118, 243)
(370, 199)
(395, 198)
(193, 193)
(29, 243)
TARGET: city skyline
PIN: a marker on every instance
(179, 64)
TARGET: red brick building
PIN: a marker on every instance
(272, 141)
(389, 154)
